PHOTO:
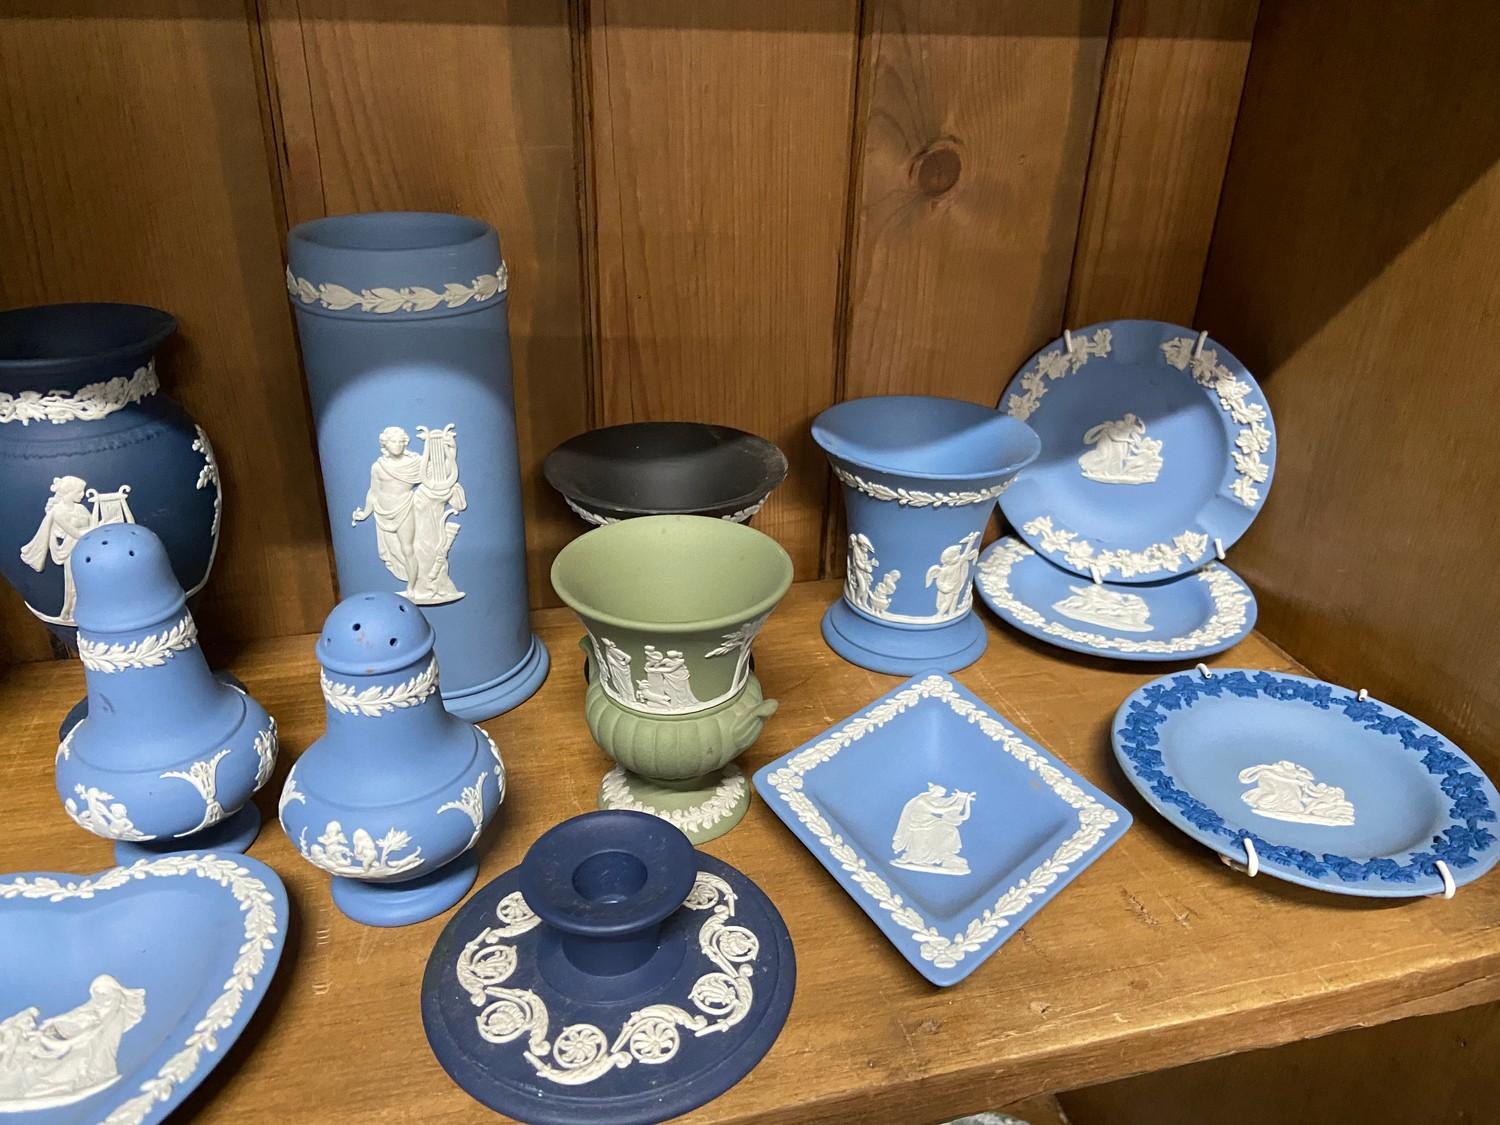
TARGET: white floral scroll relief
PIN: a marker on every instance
(1051, 366)
(102, 815)
(58, 1060)
(1121, 453)
(363, 858)
(209, 475)
(149, 652)
(396, 299)
(1254, 436)
(258, 913)
(265, 746)
(948, 578)
(290, 795)
(1186, 549)
(204, 777)
(916, 497)
(65, 747)
(471, 803)
(73, 510)
(927, 837)
(614, 793)
(943, 949)
(376, 700)
(652, 1035)
(415, 499)
(86, 404)
(1094, 604)
(1286, 791)
(1230, 599)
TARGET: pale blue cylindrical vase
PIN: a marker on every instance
(920, 478)
(402, 318)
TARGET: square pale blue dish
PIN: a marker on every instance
(948, 826)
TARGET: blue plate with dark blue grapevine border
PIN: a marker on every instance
(1309, 782)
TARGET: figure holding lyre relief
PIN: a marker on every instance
(65, 520)
(412, 498)
(927, 837)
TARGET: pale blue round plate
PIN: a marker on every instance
(1153, 447)
(1184, 618)
(1332, 791)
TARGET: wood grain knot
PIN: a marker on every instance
(937, 169)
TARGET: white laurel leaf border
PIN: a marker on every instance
(86, 404)
(374, 701)
(1229, 596)
(390, 299)
(943, 950)
(916, 498)
(259, 913)
(149, 652)
(721, 803)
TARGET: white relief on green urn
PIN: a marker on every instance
(927, 837)
(1121, 453)
(1286, 791)
(414, 499)
(668, 683)
(737, 642)
(1110, 609)
(73, 510)
(58, 1060)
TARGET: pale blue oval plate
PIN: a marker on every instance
(1184, 618)
(1332, 791)
(1152, 448)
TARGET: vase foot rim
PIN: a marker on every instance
(903, 652)
(410, 901)
(475, 705)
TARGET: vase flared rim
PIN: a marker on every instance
(637, 526)
(135, 330)
(903, 409)
(386, 232)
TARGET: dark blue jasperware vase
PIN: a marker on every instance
(402, 318)
(394, 796)
(920, 478)
(168, 756)
(615, 975)
(87, 438)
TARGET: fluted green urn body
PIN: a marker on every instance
(671, 605)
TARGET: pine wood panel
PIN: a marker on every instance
(133, 168)
(973, 135)
(1157, 954)
(1172, 84)
(720, 141)
(1353, 270)
(468, 109)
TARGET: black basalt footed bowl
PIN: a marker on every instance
(665, 468)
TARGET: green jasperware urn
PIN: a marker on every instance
(672, 605)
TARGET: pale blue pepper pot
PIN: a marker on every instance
(402, 318)
(393, 798)
(920, 477)
(168, 756)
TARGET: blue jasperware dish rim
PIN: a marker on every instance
(1102, 822)
(837, 448)
(1468, 848)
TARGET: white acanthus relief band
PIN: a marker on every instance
(149, 652)
(393, 299)
(86, 404)
(377, 700)
(915, 498)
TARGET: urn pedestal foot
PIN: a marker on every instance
(903, 651)
(475, 705)
(414, 900)
(709, 807)
(235, 833)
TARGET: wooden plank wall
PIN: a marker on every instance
(710, 209)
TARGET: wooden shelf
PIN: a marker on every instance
(1157, 955)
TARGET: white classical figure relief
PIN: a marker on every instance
(615, 667)
(668, 682)
(56, 1061)
(413, 498)
(860, 586)
(955, 593)
(927, 836)
(99, 813)
(65, 520)
(1286, 791)
(364, 858)
(1122, 452)
(1111, 609)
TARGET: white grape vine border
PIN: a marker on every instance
(943, 950)
(86, 404)
(149, 652)
(389, 299)
(1254, 437)
(1185, 548)
(1229, 595)
(258, 909)
(376, 700)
